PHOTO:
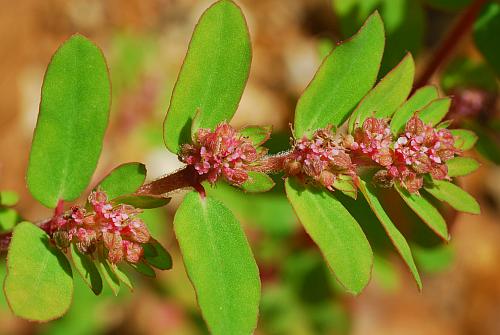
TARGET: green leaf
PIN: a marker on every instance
(8, 198)
(123, 180)
(444, 125)
(86, 268)
(346, 185)
(421, 98)
(397, 239)
(425, 211)
(219, 263)
(159, 258)
(74, 108)
(108, 275)
(454, 196)
(461, 166)
(345, 76)
(391, 91)
(404, 22)
(39, 282)
(434, 112)
(142, 201)
(213, 75)
(258, 182)
(336, 232)
(122, 276)
(486, 32)
(465, 139)
(269, 212)
(144, 269)
(8, 219)
(258, 135)
(325, 46)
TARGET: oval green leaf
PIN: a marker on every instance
(85, 266)
(144, 269)
(257, 134)
(383, 100)
(156, 255)
(454, 196)
(464, 139)
(108, 275)
(8, 219)
(122, 276)
(258, 182)
(404, 22)
(426, 211)
(434, 112)
(421, 98)
(74, 108)
(8, 198)
(124, 179)
(397, 239)
(345, 76)
(213, 75)
(461, 166)
(346, 185)
(219, 263)
(336, 233)
(39, 282)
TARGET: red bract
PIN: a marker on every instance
(115, 227)
(321, 159)
(223, 152)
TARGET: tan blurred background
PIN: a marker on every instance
(145, 42)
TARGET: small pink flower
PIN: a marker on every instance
(421, 149)
(425, 148)
(117, 228)
(222, 152)
(320, 159)
(374, 139)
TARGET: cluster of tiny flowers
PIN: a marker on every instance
(321, 159)
(115, 227)
(374, 139)
(222, 152)
(419, 150)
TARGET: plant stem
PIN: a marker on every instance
(449, 43)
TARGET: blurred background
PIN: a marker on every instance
(144, 42)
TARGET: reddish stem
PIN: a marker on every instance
(186, 177)
(449, 43)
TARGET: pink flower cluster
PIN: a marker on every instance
(419, 150)
(321, 158)
(115, 227)
(374, 139)
(223, 152)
